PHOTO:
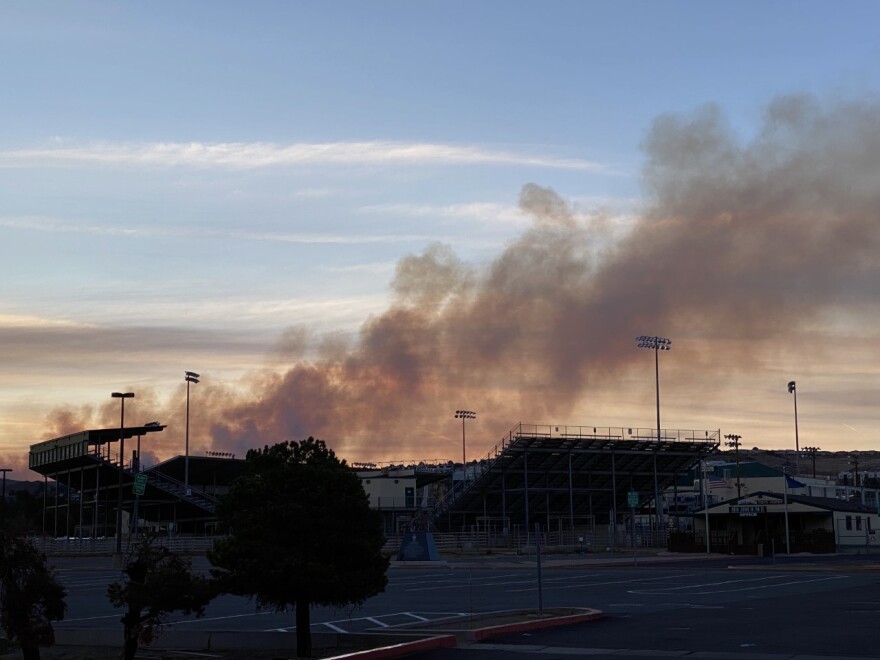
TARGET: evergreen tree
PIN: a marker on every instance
(302, 534)
(158, 583)
(30, 596)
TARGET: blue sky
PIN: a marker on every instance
(188, 185)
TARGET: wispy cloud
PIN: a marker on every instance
(54, 225)
(242, 155)
(36, 322)
(484, 211)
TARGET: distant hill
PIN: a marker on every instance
(828, 463)
(32, 487)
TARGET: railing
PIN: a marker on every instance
(181, 490)
(165, 483)
(612, 433)
(75, 546)
(390, 503)
(519, 540)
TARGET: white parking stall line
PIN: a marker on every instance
(462, 583)
(600, 584)
(455, 577)
(345, 625)
(220, 618)
(716, 584)
(729, 591)
(333, 627)
(90, 618)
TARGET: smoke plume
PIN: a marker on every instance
(739, 240)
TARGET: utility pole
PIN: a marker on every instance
(3, 513)
(812, 452)
(734, 442)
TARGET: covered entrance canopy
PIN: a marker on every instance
(767, 522)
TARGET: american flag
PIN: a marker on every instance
(717, 482)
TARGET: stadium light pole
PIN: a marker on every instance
(189, 377)
(464, 415)
(122, 396)
(734, 442)
(657, 344)
(792, 389)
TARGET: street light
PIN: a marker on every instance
(657, 344)
(464, 415)
(734, 442)
(122, 396)
(189, 377)
(792, 389)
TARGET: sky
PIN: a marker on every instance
(354, 218)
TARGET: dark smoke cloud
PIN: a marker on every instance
(740, 240)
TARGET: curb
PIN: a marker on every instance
(538, 624)
(397, 650)
(452, 637)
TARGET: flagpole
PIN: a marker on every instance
(785, 500)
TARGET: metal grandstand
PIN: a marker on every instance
(85, 466)
(567, 476)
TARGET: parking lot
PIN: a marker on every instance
(691, 606)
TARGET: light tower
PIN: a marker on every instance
(657, 344)
(464, 415)
(122, 396)
(189, 377)
(792, 389)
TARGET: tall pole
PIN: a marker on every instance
(189, 377)
(122, 396)
(704, 486)
(785, 500)
(792, 389)
(734, 442)
(464, 415)
(657, 387)
(657, 344)
(4, 471)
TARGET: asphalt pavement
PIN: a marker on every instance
(655, 605)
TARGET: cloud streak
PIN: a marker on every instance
(55, 225)
(261, 155)
(488, 212)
